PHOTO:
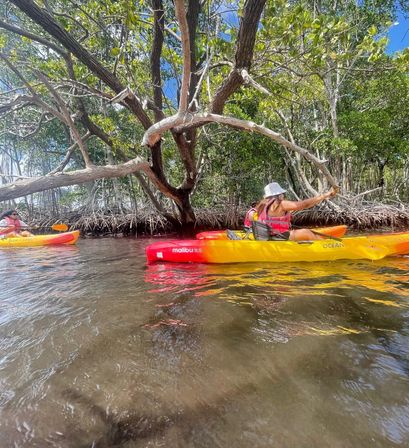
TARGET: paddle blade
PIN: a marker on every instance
(60, 227)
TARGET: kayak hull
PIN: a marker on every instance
(41, 240)
(372, 247)
(336, 231)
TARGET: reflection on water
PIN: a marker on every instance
(98, 349)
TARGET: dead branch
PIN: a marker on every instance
(36, 184)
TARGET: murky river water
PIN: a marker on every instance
(97, 349)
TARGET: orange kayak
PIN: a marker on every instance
(336, 231)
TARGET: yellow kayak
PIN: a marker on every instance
(41, 240)
(371, 247)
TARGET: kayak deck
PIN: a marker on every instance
(372, 247)
(336, 231)
(41, 240)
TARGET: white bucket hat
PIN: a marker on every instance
(273, 189)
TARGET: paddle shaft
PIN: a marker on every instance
(330, 237)
(58, 227)
(324, 235)
(262, 227)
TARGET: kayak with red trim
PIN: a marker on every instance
(371, 247)
(336, 231)
(41, 240)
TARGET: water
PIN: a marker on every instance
(97, 349)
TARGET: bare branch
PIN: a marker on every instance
(33, 185)
(170, 31)
(250, 81)
(38, 126)
(158, 20)
(244, 53)
(148, 191)
(50, 25)
(67, 119)
(68, 155)
(184, 32)
(299, 171)
(153, 134)
(17, 72)
(39, 39)
(16, 89)
(18, 102)
(121, 96)
(93, 90)
(204, 72)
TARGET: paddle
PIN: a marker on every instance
(57, 227)
(261, 232)
(330, 237)
(60, 227)
(324, 235)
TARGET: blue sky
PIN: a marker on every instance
(399, 35)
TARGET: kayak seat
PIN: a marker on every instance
(262, 232)
(249, 231)
(232, 235)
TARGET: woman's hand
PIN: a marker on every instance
(335, 190)
(331, 193)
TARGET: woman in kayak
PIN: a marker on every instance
(276, 212)
(11, 225)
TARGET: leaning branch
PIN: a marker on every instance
(153, 134)
(39, 39)
(34, 185)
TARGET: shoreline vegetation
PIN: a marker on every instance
(363, 217)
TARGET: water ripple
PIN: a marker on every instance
(99, 349)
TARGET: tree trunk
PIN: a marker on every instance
(187, 215)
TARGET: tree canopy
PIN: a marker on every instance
(203, 99)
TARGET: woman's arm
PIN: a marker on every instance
(5, 228)
(4, 224)
(292, 206)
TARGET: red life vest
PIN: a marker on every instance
(11, 222)
(249, 217)
(278, 224)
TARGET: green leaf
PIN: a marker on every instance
(373, 30)
(115, 51)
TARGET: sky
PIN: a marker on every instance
(399, 35)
